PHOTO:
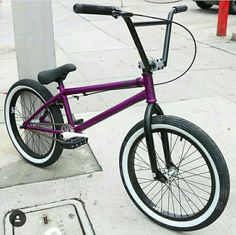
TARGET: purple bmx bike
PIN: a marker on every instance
(172, 170)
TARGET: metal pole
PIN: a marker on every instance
(34, 37)
(223, 17)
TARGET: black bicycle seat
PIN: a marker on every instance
(55, 75)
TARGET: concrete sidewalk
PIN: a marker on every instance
(102, 49)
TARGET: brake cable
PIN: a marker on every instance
(182, 74)
(194, 42)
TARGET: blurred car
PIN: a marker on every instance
(207, 4)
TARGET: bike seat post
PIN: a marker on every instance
(66, 104)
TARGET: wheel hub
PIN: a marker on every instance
(171, 173)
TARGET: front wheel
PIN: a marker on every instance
(197, 187)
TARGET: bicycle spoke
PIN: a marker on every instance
(168, 202)
(188, 184)
(182, 153)
(174, 145)
(180, 208)
(193, 174)
(42, 141)
(23, 106)
(179, 201)
(197, 183)
(186, 198)
(144, 178)
(190, 161)
(187, 156)
(31, 136)
(143, 168)
(172, 200)
(145, 182)
(26, 104)
(147, 185)
(142, 160)
(161, 196)
(197, 167)
(157, 155)
(153, 187)
(170, 141)
(185, 190)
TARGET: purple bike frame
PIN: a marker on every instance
(148, 93)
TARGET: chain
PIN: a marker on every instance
(50, 124)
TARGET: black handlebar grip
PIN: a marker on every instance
(93, 9)
(179, 9)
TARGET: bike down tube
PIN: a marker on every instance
(108, 113)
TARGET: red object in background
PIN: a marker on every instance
(223, 17)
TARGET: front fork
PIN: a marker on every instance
(157, 174)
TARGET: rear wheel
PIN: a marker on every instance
(197, 186)
(203, 5)
(23, 99)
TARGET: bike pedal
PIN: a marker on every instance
(74, 142)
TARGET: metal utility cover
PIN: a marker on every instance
(60, 218)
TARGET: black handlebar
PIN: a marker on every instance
(115, 12)
(108, 10)
(94, 9)
(179, 9)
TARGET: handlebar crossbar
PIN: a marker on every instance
(116, 12)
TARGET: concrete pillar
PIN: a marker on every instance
(223, 17)
(34, 37)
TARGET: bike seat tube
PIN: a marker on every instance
(149, 88)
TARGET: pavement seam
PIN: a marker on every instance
(218, 48)
(95, 26)
(117, 39)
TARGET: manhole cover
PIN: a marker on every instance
(60, 218)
